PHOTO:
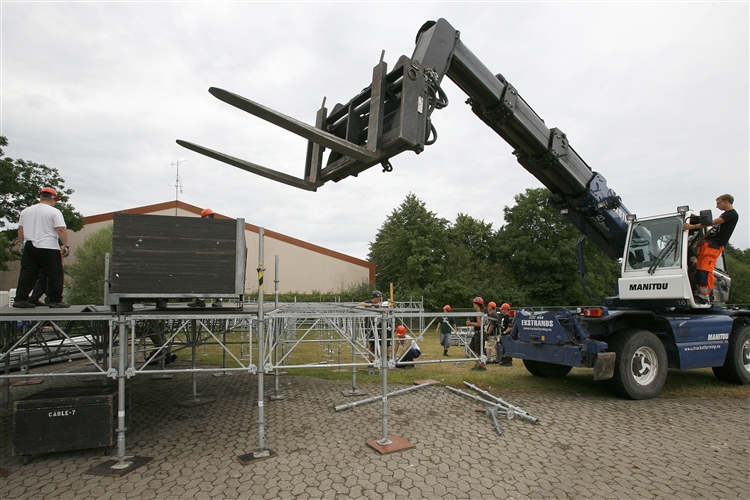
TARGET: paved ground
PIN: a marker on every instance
(583, 447)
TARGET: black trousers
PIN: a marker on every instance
(40, 287)
(33, 260)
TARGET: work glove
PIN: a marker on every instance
(65, 251)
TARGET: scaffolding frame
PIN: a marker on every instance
(96, 337)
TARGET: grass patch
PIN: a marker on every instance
(699, 383)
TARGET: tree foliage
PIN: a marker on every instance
(20, 182)
(538, 247)
(531, 260)
(87, 272)
(738, 265)
(410, 248)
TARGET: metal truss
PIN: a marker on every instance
(27, 341)
(125, 344)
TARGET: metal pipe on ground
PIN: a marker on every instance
(378, 398)
(516, 410)
(508, 412)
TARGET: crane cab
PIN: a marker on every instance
(656, 268)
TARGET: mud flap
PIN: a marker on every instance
(604, 366)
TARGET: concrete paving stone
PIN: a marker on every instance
(567, 459)
(126, 487)
(722, 489)
(313, 492)
(259, 489)
(381, 488)
(340, 489)
(146, 495)
(642, 492)
(299, 488)
(139, 489)
(326, 484)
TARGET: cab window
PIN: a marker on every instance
(655, 244)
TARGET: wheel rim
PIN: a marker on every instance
(746, 355)
(645, 365)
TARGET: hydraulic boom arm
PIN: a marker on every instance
(394, 114)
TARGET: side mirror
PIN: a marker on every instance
(706, 218)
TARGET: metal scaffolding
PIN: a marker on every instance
(121, 345)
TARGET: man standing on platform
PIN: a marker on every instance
(44, 236)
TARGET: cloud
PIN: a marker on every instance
(652, 95)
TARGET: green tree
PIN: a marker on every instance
(537, 248)
(468, 269)
(471, 266)
(742, 256)
(474, 235)
(738, 263)
(87, 272)
(409, 249)
(20, 182)
(426, 256)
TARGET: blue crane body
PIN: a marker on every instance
(653, 323)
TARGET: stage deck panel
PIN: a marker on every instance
(179, 256)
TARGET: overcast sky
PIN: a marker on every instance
(654, 96)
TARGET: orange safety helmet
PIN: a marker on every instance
(491, 305)
(207, 212)
(446, 308)
(401, 331)
(479, 300)
(505, 306)
(49, 191)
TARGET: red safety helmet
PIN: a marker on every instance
(49, 191)
(401, 331)
(505, 306)
(207, 212)
(479, 300)
(446, 308)
(491, 305)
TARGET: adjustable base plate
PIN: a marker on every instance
(115, 468)
(396, 444)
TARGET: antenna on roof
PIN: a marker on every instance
(177, 183)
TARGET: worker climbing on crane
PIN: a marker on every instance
(713, 244)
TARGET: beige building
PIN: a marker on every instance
(303, 267)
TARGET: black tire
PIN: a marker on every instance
(546, 370)
(553, 370)
(532, 367)
(641, 364)
(736, 368)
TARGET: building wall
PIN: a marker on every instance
(303, 267)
